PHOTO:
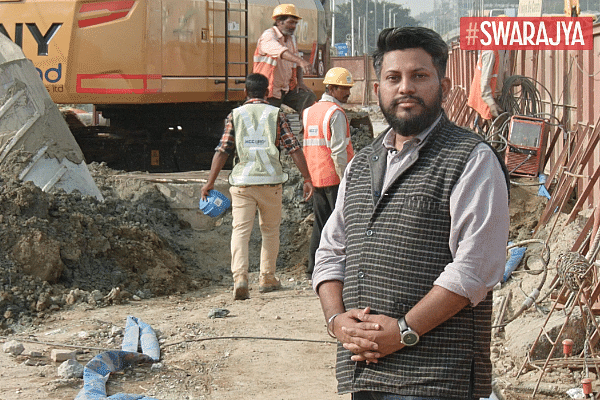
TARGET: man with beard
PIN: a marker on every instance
(276, 57)
(416, 242)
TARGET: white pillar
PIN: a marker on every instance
(352, 25)
(375, 17)
(365, 51)
(332, 22)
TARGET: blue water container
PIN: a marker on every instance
(215, 204)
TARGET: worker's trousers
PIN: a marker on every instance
(297, 99)
(323, 205)
(245, 200)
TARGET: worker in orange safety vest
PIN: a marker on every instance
(277, 57)
(327, 149)
(487, 82)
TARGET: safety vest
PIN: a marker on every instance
(317, 140)
(255, 136)
(265, 64)
(475, 100)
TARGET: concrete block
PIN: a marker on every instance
(59, 355)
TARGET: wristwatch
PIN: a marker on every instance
(408, 337)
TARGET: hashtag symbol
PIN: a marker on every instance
(472, 33)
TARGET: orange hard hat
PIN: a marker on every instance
(285, 9)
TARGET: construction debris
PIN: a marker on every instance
(35, 143)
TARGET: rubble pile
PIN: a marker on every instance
(57, 249)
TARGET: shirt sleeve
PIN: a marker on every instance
(479, 228)
(339, 141)
(287, 139)
(269, 44)
(227, 142)
(330, 258)
(487, 67)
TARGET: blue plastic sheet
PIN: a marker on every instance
(515, 256)
(542, 191)
(97, 370)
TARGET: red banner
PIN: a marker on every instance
(526, 33)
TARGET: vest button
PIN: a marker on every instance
(369, 232)
(375, 158)
(361, 274)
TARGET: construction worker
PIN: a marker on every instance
(256, 130)
(572, 8)
(328, 149)
(277, 58)
(486, 87)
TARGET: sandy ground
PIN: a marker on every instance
(272, 346)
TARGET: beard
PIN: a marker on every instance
(287, 31)
(410, 126)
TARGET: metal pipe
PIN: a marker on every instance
(332, 22)
(366, 29)
(352, 25)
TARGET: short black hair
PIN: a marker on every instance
(256, 86)
(411, 37)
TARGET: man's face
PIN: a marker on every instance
(288, 26)
(410, 92)
(340, 93)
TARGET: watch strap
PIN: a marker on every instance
(402, 325)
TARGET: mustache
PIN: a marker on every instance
(405, 98)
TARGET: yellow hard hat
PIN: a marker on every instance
(338, 76)
(285, 9)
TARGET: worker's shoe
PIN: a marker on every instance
(268, 283)
(240, 290)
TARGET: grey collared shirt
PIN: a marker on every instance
(479, 228)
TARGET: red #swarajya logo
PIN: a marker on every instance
(526, 33)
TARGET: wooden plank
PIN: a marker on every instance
(585, 194)
(451, 103)
(566, 185)
(588, 152)
(583, 234)
(562, 160)
(552, 144)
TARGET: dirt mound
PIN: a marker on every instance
(73, 241)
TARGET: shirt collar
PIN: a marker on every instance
(389, 140)
(328, 97)
(277, 32)
(256, 100)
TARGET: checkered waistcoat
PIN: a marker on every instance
(397, 245)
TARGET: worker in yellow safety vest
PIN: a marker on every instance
(277, 57)
(327, 149)
(255, 132)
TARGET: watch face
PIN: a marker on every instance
(410, 338)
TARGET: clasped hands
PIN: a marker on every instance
(369, 336)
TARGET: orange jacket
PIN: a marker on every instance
(317, 136)
(266, 65)
(475, 100)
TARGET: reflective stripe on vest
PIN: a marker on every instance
(475, 100)
(255, 138)
(265, 65)
(317, 143)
